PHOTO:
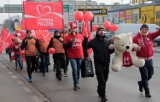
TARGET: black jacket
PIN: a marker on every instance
(100, 49)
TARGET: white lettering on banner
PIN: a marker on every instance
(45, 22)
(5, 45)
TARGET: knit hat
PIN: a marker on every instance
(144, 26)
(57, 31)
(99, 28)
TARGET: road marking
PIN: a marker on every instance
(10, 72)
(14, 77)
(20, 82)
(27, 89)
(36, 99)
(4, 66)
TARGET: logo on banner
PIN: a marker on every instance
(39, 15)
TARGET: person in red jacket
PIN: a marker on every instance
(73, 43)
(17, 53)
(145, 40)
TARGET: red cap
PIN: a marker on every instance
(73, 24)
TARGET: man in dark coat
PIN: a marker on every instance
(102, 49)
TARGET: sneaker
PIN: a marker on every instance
(75, 88)
(65, 75)
(104, 99)
(140, 86)
(59, 77)
(30, 79)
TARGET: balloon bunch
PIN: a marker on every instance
(78, 15)
(108, 26)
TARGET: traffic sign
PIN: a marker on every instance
(66, 8)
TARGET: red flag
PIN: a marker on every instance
(43, 34)
(86, 30)
(5, 39)
(43, 15)
(23, 27)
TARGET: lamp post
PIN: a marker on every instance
(9, 16)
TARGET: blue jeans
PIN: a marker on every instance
(76, 65)
(18, 61)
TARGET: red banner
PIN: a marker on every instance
(43, 15)
(43, 34)
(5, 39)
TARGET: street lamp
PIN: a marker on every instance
(9, 16)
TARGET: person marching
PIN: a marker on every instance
(43, 55)
(30, 45)
(73, 43)
(102, 49)
(16, 47)
(65, 65)
(145, 40)
(59, 56)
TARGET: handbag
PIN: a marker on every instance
(87, 68)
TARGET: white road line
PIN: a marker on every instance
(36, 99)
(20, 82)
(14, 77)
(10, 72)
(27, 89)
(4, 66)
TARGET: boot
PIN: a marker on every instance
(104, 99)
(147, 94)
(140, 86)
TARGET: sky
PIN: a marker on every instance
(4, 16)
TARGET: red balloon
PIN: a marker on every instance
(51, 50)
(114, 27)
(88, 16)
(94, 27)
(107, 24)
(78, 15)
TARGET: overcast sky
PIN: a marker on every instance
(3, 16)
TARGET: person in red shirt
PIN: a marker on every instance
(145, 40)
(17, 53)
(73, 43)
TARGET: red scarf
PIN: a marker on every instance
(127, 60)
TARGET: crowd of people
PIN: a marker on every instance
(71, 46)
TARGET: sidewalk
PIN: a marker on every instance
(14, 88)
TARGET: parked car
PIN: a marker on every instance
(109, 34)
(157, 42)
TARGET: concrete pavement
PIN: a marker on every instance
(121, 87)
(15, 88)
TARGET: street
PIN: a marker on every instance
(121, 86)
